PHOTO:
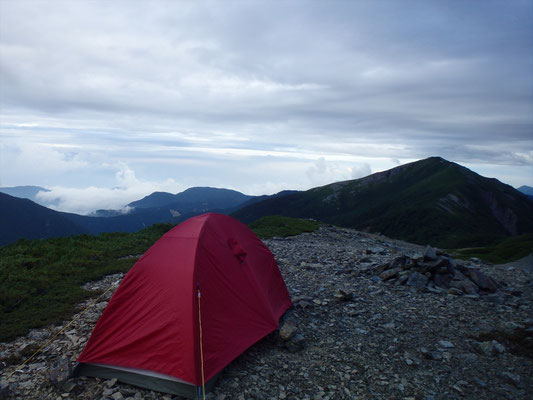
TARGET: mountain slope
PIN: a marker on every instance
(156, 199)
(194, 199)
(428, 201)
(22, 218)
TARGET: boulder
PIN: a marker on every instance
(433, 266)
(60, 372)
(430, 254)
(390, 273)
(483, 281)
(464, 285)
(288, 330)
(417, 280)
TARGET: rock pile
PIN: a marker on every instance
(436, 272)
(350, 334)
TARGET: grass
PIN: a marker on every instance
(268, 227)
(40, 280)
(510, 249)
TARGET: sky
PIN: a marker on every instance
(105, 102)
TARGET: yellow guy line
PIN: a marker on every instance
(58, 333)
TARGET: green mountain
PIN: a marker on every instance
(429, 201)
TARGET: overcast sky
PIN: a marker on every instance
(105, 102)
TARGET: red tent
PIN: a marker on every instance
(157, 332)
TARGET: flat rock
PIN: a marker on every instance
(390, 273)
(483, 281)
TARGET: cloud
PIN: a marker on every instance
(85, 200)
(361, 170)
(209, 92)
(323, 172)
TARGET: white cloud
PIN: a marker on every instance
(85, 200)
(323, 172)
(208, 92)
(361, 170)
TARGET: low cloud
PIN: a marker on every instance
(86, 200)
(323, 172)
(361, 170)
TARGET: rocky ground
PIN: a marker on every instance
(373, 319)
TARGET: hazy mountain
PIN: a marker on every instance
(22, 218)
(26, 192)
(429, 201)
(527, 190)
(195, 199)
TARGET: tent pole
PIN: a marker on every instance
(201, 343)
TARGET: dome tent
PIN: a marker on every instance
(199, 297)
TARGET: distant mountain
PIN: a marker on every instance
(429, 201)
(527, 190)
(25, 192)
(195, 199)
(22, 218)
(128, 222)
(156, 199)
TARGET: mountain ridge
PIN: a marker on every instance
(194, 197)
(27, 192)
(427, 201)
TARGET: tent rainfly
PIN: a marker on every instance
(199, 297)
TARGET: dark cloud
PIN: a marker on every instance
(367, 80)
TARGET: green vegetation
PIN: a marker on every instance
(40, 280)
(276, 225)
(510, 249)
